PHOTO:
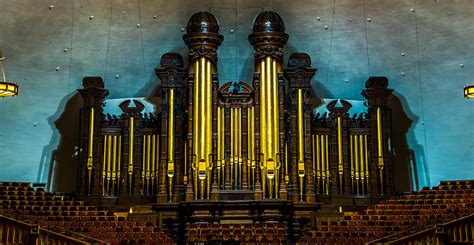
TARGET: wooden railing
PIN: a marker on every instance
(458, 231)
(14, 231)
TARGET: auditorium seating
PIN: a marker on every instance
(62, 214)
(401, 214)
(448, 201)
(274, 233)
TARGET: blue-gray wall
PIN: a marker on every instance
(425, 48)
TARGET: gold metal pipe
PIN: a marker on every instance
(171, 150)
(209, 132)
(249, 146)
(147, 170)
(313, 153)
(318, 162)
(232, 145)
(339, 151)
(119, 164)
(223, 147)
(153, 157)
(301, 167)
(328, 173)
(351, 137)
(130, 155)
(185, 163)
(367, 154)
(239, 136)
(195, 135)
(90, 158)
(171, 135)
(362, 150)
(287, 178)
(269, 108)
(357, 157)
(114, 162)
(252, 143)
(109, 157)
(157, 165)
(323, 164)
(263, 125)
(219, 146)
(143, 164)
(202, 112)
(380, 148)
(300, 129)
(104, 166)
(275, 116)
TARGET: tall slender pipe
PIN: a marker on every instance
(90, 158)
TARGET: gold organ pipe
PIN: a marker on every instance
(328, 175)
(232, 144)
(275, 115)
(239, 136)
(104, 165)
(380, 148)
(171, 136)
(269, 108)
(202, 110)
(147, 170)
(249, 146)
(357, 157)
(119, 165)
(171, 127)
(339, 151)
(196, 97)
(185, 176)
(313, 151)
(114, 162)
(270, 120)
(263, 125)
(301, 170)
(300, 127)
(252, 143)
(361, 174)
(366, 162)
(223, 146)
(130, 155)
(109, 157)
(143, 164)
(351, 137)
(287, 179)
(323, 163)
(318, 161)
(90, 158)
(219, 146)
(153, 157)
(209, 124)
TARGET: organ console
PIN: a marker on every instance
(241, 141)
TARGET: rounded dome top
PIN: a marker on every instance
(299, 60)
(203, 22)
(172, 59)
(268, 21)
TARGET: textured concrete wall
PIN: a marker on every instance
(420, 45)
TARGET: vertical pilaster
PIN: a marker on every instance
(93, 94)
(173, 135)
(379, 114)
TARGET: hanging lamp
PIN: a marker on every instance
(7, 89)
(469, 91)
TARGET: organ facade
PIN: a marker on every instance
(240, 141)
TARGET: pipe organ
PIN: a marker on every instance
(237, 141)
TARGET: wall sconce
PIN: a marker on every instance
(469, 91)
(7, 89)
